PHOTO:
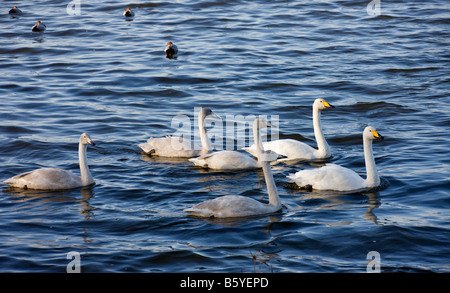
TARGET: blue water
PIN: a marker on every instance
(100, 73)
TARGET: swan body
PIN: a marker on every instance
(292, 149)
(226, 160)
(180, 147)
(230, 206)
(335, 177)
(128, 13)
(39, 27)
(55, 178)
(15, 11)
(171, 49)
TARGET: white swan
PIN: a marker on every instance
(335, 177)
(229, 206)
(39, 27)
(180, 147)
(293, 149)
(226, 160)
(54, 178)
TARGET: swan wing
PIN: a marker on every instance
(229, 206)
(170, 146)
(329, 177)
(226, 160)
(45, 179)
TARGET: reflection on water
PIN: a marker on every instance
(102, 74)
(41, 200)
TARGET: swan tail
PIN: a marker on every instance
(147, 148)
(199, 162)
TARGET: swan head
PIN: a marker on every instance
(205, 112)
(321, 104)
(86, 139)
(371, 133)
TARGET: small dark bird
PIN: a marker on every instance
(39, 27)
(15, 11)
(128, 13)
(171, 49)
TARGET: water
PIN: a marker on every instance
(99, 73)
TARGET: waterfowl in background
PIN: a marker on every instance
(171, 49)
(128, 13)
(15, 11)
(335, 177)
(55, 178)
(39, 27)
(291, 149)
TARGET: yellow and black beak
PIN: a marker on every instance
(327, 105)
(377, 135)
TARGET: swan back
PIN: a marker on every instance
(226, 160)
(45, 179)
(55, 178)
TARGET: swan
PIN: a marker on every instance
(226, 160)
(39, 27)
(335, 177)
(292, 149)
(128, 13)
(171, 49)
(15, 10)
(180, 147)
(55, 178)
(229, 206)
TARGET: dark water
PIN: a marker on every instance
(99, 73)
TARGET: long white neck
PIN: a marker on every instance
(372, 178)
(206, 142)
(274, 199)
(322, 145)
(86, 176)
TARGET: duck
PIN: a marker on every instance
(291, 149)
(181, 147)
(338, 178)
(232, 206)
(39, 27)
(55, 178)
(15, 11)
(171, 49)
(128, 13)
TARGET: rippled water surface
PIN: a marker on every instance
(100, 73)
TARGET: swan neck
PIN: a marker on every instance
(322, 145)
(86, 176)
(372, 178)
(205, 141)
(274, 199)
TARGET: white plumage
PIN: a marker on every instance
(55, 178)
(180, 147)
(292, 149)
(335, 177)
(240, 206)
